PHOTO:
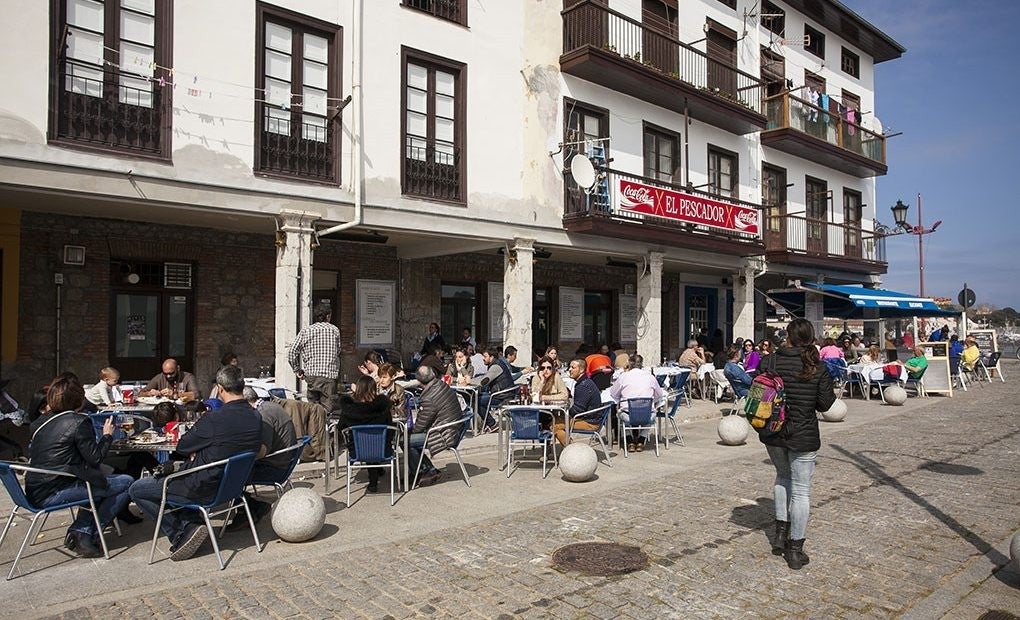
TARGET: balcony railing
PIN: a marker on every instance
(432, 173)
(785, 111)
(816, 238)
(605, 203)
(295, 149)
(452, 10)
(590, 23)
(107, 113)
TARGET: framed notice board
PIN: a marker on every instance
(937, 379)
(985, 340)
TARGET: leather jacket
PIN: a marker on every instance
(65, 442)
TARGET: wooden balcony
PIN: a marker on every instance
(823, 136)
(799, 240)
(615, 51)
(628, 206)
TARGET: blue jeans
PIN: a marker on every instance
(147, 494)
(792, 491)
(109, 502)
(415, 446)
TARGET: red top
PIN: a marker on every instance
(597, 361)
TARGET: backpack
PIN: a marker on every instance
(765, 403)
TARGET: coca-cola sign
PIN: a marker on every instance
(674, 205)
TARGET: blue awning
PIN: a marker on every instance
(855, 302)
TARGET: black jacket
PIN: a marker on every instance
(803, 400)
(64, 442)
(354, 413)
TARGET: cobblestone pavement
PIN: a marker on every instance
(911, 516)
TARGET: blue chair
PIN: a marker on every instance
(8, 474)
(465, 424)
(597, 433)
(526, 430)
(678, 392)
(497, 400)
(234, 479)
(641, 412)
(284, 478)
(374, 447)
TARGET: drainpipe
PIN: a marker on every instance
(58, 279)
(356, 103)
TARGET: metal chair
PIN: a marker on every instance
(374, 448)
(526, 430)
(719, 384)
(497, 400)
(956, 372)
(917, 384)
(233, 480)
(597, 433)
(284, 478)
(986, 365)
(8, 474)
(641, 414)
(671, 416)
(465, 422)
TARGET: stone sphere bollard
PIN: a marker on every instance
(733, 430)
(299, 515)
(1014, 551)
(895, 395)
(578, 462)
(836, 413)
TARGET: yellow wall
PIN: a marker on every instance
(10, 243)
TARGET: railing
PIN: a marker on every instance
(443, 9)
(431, 173)
(604, 201)
(786, 111)
(594, 24)
(107, 112)
(804, 235)
(308, 152)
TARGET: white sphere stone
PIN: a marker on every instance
(895, 395)
(299, 515)
(1014, 551)
(733, 430)
(836, 413)
(578, 462)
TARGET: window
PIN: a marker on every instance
(598, 318)
(773, 72)
(773, 18)
(451, 10)
(814, 41)
(773, 196)
(112, 60)
(433, 127)
(585, 131)
(659, 33)
(730, 3)
(722, 59)
(850, 63)
(816, 200)
(298, 65)
(852, 220)
(722, 172)
(459, 309)
(662, 154)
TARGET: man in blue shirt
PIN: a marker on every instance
(586, 397)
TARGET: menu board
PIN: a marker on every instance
(628, 318)
(376, 300)
(571, 314)
(496, 311)
(937, 379)
(986, 340)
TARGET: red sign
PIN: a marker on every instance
(667, 203)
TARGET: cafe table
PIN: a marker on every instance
(470, 392)
(557, 409)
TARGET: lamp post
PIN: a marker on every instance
(903, 227)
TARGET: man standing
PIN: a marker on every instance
(635, 383)
(315, 357)
(222, 433)
(438, 405)
(172, 383)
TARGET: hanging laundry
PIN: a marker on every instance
(813, 100)
(823, 103)
(851, 117)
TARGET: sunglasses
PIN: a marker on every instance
(546, 367)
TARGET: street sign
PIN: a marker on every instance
(967, 298)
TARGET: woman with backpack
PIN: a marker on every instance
(808, 389)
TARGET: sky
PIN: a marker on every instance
(952, 94)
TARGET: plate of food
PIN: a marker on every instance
(148, 437)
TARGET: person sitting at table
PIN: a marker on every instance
(587, 396)
(829, 350)
(437, 405)
(365, 405)
(232, 429)
(620, 364)
(547, 383)
(172, 383)
(370, 365)
(460, 370)
(873, 355)
(104, 392)
(466, 339)
(497, 377)
(389, 388)
(635, 383)
(693, 356)
(434, 360)
(553, 354)
(477, 360)
(600, 369)
(850, 354)
(739, 380)
(971, 353)
(955, 346)
(64, 440)
(751, 357)
(510, 355)
(229, 359)
(916, 365)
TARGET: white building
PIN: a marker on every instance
(164, 165)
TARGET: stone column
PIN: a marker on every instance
(518, 291)
(814, 311)
(649, 310)
(294, 240)
(743, 303)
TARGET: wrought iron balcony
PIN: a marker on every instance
(452, 10)
(629, 206)
(799, 240)
(293, 149)
(432, 173)
(797, 127)
(105, 114)
(618, 52)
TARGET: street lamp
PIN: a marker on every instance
(903, 227)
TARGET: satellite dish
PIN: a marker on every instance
(583, 171)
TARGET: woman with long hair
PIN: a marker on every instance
(366, 406)
(547, 382)
(793, 449)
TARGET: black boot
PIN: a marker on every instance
(782, 533)
(795, 556)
